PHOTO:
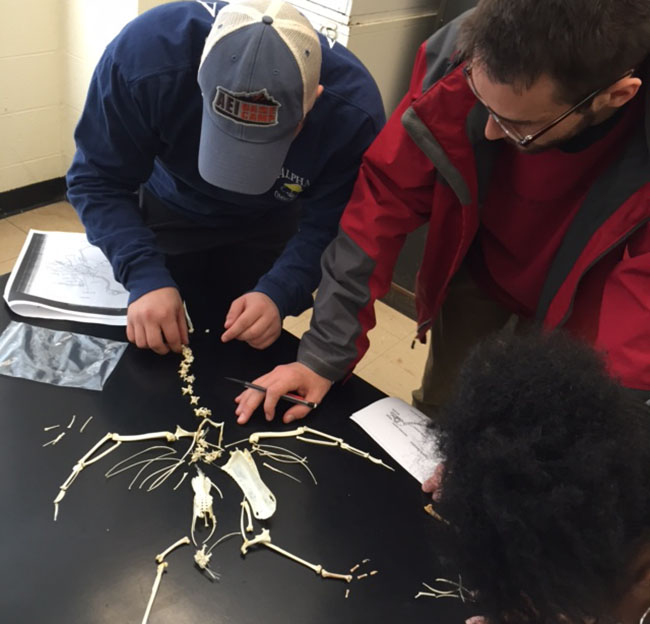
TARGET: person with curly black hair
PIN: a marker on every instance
(546, 483)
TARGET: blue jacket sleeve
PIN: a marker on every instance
(116, 146)
(296, 274)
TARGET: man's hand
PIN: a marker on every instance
(156, 321)
(253, 318)
(285, 379)
(433, 485)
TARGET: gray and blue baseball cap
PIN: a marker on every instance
(259, 76)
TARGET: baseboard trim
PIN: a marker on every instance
(401, 300)
(32, 196)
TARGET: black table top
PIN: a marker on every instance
(96, 563)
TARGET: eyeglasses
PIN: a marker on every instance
(525, 141)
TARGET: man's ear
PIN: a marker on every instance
(619, 94)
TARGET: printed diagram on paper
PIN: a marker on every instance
(60, 275)
(82, 274)
(402, 431)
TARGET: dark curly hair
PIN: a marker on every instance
(583, 45)
(547, 478)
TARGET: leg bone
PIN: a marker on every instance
(154, 590)
(264, 538)
(315, 567)
(160, 558)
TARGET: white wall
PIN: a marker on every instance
(145, 5)
(30, 92)
(48, 50)
(88, 26)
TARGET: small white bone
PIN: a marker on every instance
(158, 477)
(460, 591)
(167, 435)
(285, 456)
(203, 504)
(181, 481)
(282, 472)
(434, 514)
(51, 427)
(55, 440)
(262, 538)
(190, 325)
(84, 425)
(247, 510)
(267, 435)
(154, 590)
(161, 557)
(223, 538)
(314, 441)
(128, 463)
(74, 416)
(341, 577)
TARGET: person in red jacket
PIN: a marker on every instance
(523, 142)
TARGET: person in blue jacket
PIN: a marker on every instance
(217, 148)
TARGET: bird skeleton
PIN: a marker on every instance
(259, 501)
(199, 450)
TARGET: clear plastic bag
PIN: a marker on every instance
(59, 358)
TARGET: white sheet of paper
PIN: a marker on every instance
(59, 275)
(402, 431)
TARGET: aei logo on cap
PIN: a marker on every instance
(256, 108)
(259, 77)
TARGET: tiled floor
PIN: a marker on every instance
(390, 364)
